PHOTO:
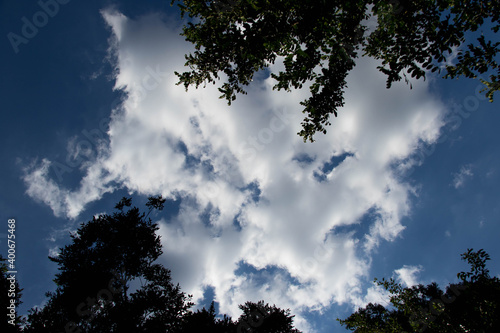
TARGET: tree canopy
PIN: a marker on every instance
(263, 318)
(204, 320)
(471, 305)
(109, 280)
(318, 42)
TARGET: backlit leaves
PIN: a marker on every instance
(318, 42)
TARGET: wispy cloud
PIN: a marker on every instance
(254, 222)
(44, 189)
(461, 176)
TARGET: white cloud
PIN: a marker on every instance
(54, 251)
(193, 147)
(460, 177)
(407, 275)
(64, 202)
(374, 294)
(44, 189)
(377, 294)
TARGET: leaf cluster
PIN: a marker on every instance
(318, 42)
(472, 305)
(264, 318)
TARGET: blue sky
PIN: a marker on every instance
(404, 181)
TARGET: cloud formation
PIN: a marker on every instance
(460, 177)
(263, 215)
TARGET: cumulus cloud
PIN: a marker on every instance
(263, 215)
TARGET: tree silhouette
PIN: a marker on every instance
(205, 321)
(256, 318)
(320, 40)
(471, 305)
(108, 280)
(263, 318)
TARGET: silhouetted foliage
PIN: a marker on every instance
(471, 305)
(256, 318)
(205, 321)
(124, 202)
(320, 40)
(108, 281)
(263, 318)
(156, 203)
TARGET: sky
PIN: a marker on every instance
(404, 181)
